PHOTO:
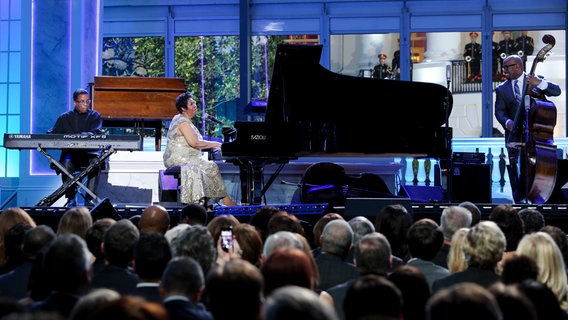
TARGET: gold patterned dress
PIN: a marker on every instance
(199, 177)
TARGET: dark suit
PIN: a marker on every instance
(482, 277)
(119, 279)
(14, 283)
(441, 257)
(182, 309)
(59, 302)
(431, 271)
(333, 270)
(148, 291)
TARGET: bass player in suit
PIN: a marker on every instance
(508, 102)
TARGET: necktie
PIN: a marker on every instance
(517, 91)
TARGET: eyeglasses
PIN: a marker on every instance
(83, 102)
(509, 65)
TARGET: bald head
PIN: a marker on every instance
(154, 219)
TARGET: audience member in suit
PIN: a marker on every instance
(424, 241)
(287, 266)
(360, 226)
(151, 256)
(318, 229)
(8, 218)
(75, 220)
(467, 301)
(456, 258)
(452, 219)
(544, 300)
(154, 219)
(559, 236)
(235, 289)
(372, 297)
(90, 302)
(372, 256)
(293, 302)
(94, 239)
(518, 269)
(118, 247)
(196, 242)
(192, 214)
(67, 264)
(551, 268)
(131, 308)
(483, 248)
(509, 221)
(337, 237)
(533, 220)
(250, 243)
(513, 303)
(475, 212)
(181, 288)
(414, 289)
(14, 284)
(393, 221)
(13, 239)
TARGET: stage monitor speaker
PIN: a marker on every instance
(470, 182)
(422, 194)
(370, 207)
(104, 209)
(560, 192)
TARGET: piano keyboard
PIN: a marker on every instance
(72, 141)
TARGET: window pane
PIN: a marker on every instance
(138, 57)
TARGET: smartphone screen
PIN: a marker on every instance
(226, 238)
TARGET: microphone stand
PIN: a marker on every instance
(446, 132)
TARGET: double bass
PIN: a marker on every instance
(538, 155)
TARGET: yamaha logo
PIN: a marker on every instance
(258, 137)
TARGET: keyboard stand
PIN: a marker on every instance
(74, 179)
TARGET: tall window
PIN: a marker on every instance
(137, 57)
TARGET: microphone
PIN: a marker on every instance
(212, 118)
(448, 72)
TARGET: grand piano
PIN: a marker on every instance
(312, 110)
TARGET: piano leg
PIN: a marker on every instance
(252, 177)
(75, 179)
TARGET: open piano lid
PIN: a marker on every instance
(330, 112)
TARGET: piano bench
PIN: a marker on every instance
(168, 184)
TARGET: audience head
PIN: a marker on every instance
(131, 308)
(559, 236)
(13, 239)
(424, 239)
(174, 232)
(456, 258)
(36, 239)
(260, 219)
(287, 266)
(154, 219)
(360, 226)
(67, 264)
(193, 213)
(475, 212)
(281, 239)
(183, 276)
(237, 285)
(8, 218)
(519, 268)
(454, 218)
(373, 254)
(219, 222)
(151, 255)
(196, 242)
(320, 224)
(513, 303)
(484, 245)
(337, 237)
(509, 221)
(361, 299)
(119, 241)
(91, 302)
(393, 221)
(532, 219)
(468, 301)
(250, 242)
(95, 235)
(543, 299)
(293, 302)
(415, 291)
(551, 268)
(282, 221)
(75, 220)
